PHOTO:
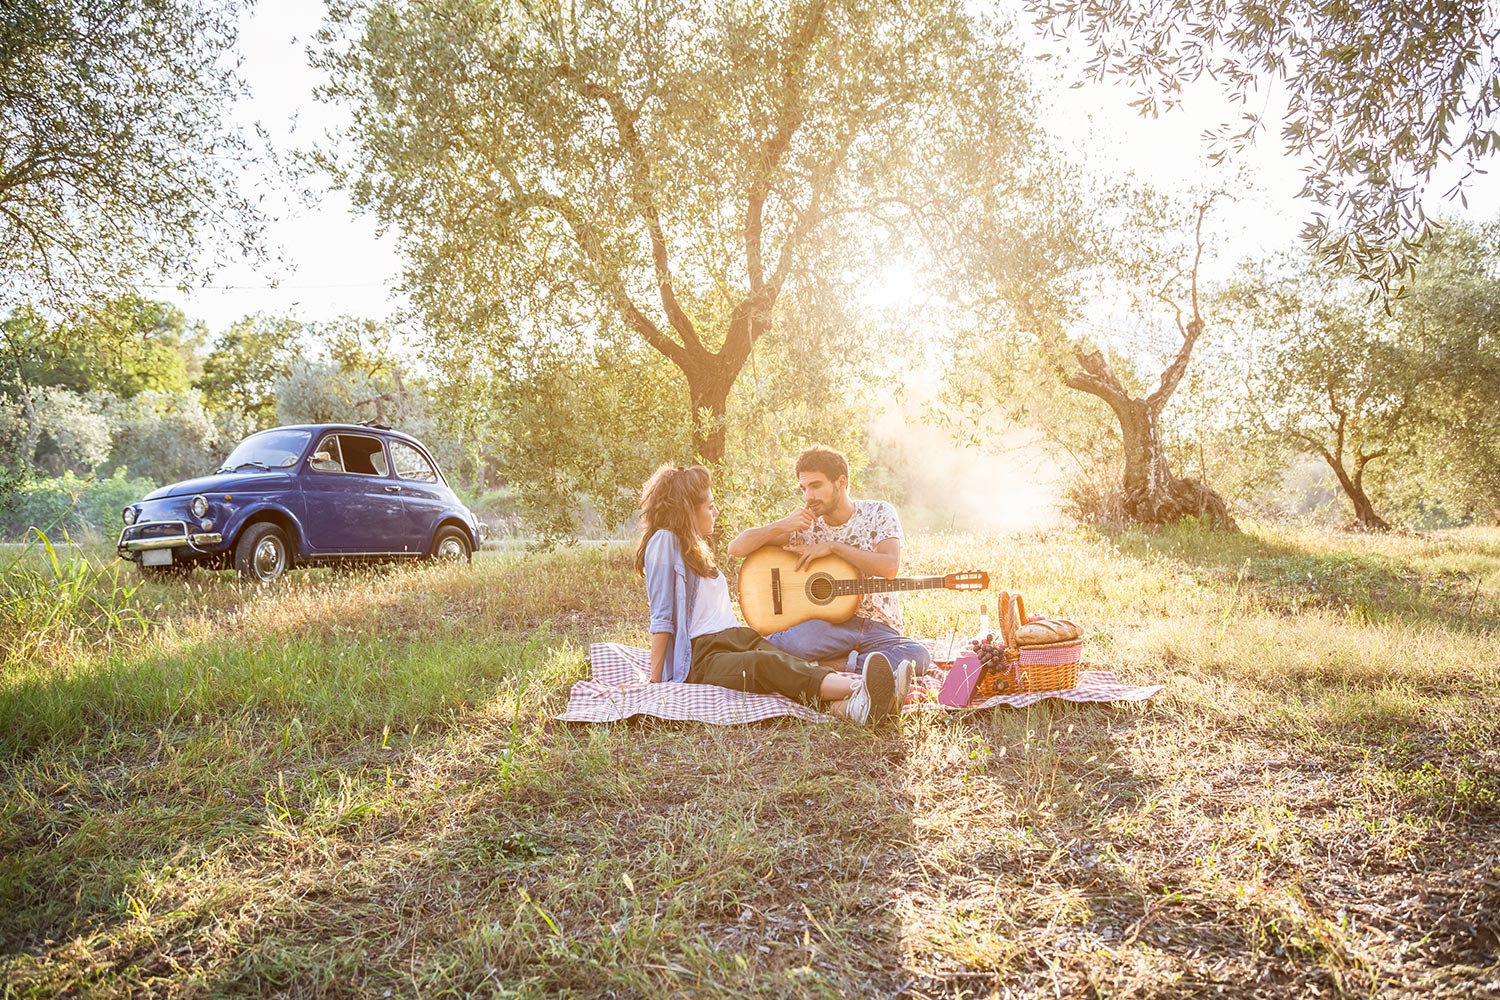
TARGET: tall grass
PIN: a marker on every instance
(56, 601)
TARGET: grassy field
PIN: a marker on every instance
(351, 784)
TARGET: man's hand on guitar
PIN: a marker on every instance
(807, 553)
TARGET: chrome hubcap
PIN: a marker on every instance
(451, 548)
(269, 559)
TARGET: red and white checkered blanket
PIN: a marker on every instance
(620, 688)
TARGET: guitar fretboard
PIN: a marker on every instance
(880, 585)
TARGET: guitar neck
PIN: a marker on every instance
(880, 585)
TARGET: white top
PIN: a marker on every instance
(711, 609)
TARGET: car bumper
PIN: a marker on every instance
(175, 537)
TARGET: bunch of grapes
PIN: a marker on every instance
(988, 651)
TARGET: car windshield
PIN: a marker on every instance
(278, 449)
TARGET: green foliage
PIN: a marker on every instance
(1379, 96)
(567, 185)
(74, 433)
(1405, 396)
(170, 435)
(1333, 375)
(87, 508)
(1454, 305)
(246, 361)
(115, 158)
(126, 346)
(593, 431)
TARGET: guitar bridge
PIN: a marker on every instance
(776, 590)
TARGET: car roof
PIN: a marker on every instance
(352, 428)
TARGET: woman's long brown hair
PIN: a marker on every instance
(669, 500)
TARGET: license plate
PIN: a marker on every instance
(156, 557)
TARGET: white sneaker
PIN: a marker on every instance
(875, 698)
(903, 682)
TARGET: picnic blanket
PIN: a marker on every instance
(620, 688)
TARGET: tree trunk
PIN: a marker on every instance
(1353, 486)
(708, 394)
(1152, 494)
(33, 437)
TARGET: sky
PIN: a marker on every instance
(335, 262)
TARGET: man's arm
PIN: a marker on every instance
(884, 561)
(775, 533)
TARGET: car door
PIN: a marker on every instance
(354, 506)
(423, 493)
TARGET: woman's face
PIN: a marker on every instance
(704, 516)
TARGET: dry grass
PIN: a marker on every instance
(350, 785)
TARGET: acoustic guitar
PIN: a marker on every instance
(775, 595)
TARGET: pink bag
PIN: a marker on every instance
(958, 686)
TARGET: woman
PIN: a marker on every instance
(695, 637)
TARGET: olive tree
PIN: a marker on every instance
(1337, 383)
(116, 159)
(597, 178)
(1410, 391)
(1094, 285)
(1378, 97)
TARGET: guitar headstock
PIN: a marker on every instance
(970, 580)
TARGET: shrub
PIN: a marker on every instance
(86, 508)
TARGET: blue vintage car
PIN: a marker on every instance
(303, 495)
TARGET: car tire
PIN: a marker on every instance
(262, 554)
(451, 543)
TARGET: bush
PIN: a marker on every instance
(87, 509)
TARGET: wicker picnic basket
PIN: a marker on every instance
(1026, 666)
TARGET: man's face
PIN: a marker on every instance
(821, 495)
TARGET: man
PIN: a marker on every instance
(866, 533)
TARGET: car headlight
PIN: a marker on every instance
(199, 506)
(128, 515)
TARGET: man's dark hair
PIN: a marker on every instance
(821, 458)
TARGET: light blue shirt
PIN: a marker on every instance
(670, 590)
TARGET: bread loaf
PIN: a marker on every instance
(1047, 630)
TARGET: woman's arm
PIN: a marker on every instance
(659, 642)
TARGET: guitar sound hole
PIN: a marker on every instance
(820, 588)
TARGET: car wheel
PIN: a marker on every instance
(451, 543)
(262, 553)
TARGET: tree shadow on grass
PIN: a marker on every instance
(1375, 585)
(1077, 854)
(630, 860)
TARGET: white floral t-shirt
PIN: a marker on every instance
(873, 522)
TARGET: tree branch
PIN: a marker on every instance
(1190, 332)
(625, 119)
(790, 117)
(583, 234)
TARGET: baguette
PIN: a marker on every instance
(1047, 630)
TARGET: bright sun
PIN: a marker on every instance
(893, 286)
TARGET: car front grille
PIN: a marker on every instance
(156, 529)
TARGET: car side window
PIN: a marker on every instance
(363, 456)
(412, 464)
(326, 456)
